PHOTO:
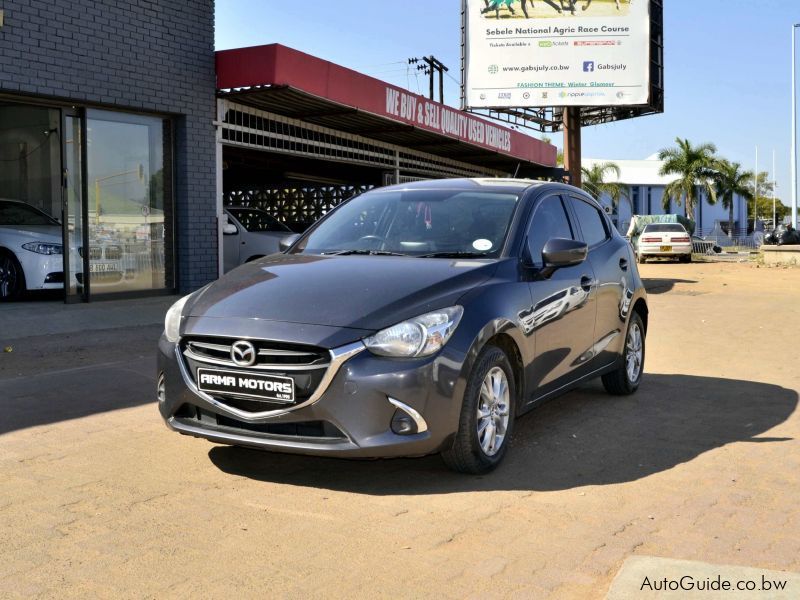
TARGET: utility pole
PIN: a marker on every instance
(431, 65)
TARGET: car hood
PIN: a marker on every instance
(39, 233)
(360, 292)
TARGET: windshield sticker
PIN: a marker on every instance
(482, 245)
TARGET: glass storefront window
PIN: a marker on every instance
(129, 185)
(30, 158)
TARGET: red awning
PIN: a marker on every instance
(294, 84)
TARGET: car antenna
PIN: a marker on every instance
(517, 171)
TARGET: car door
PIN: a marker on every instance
(610, 260)
(563, 311)
(231, 242)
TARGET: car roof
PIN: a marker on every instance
(489, 184)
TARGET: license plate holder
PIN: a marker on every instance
(259, 386)
(666, 248)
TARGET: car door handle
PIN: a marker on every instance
(587, 283)
(623, 264)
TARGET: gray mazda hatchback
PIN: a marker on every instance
(412, 319)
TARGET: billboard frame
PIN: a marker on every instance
(551, 119)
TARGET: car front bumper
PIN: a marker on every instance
(37, 268)
(351, 417)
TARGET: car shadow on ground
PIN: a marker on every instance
(662, 286)
(583, 438)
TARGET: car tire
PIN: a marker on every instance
(687, 258)
(641, 259)
(491, 392)
(625, 380)
(12, 278)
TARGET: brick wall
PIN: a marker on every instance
(145, 55)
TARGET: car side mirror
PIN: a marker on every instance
(560, 252)
(288, 242)
(229, 229)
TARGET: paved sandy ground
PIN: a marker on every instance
(702, 464)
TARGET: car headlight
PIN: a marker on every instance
(172, 322)
(420, 336)
(44, 248)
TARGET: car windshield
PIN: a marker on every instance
(17, 213)
(665, 228)
(430, 222)
(253, 219)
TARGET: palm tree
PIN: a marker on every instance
(694, 165)
(559, 155)
(594, 181)
(731, 181)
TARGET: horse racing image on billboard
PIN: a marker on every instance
(535, 53)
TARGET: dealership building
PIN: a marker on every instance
(120, 121)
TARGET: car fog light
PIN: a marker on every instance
(406, 420)
(161, 388)
(402, 424)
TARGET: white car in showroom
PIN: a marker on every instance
(31, 250)
(664, 240)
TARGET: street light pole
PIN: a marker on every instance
(774, 186)
(755, 194)
(794, 126)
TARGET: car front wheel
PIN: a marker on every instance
(12, 280)
(626, 378)
(487, 415)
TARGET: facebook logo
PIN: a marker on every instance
(588, 66)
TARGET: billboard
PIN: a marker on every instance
(525, 54)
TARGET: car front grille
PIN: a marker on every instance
(316, 431)
(101, 252)
(305, 365)
(271, 356)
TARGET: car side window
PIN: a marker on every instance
(592, 222)
(549, 221)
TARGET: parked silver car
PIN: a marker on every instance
(250, 233)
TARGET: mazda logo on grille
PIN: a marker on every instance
(243, 353)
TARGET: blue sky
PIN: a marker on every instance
(728, 65)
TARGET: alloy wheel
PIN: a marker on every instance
(493, 411)
(8, 277)
(634, 352)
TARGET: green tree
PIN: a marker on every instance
(730, 182)
(560, 155)
(594, 181)
(694, 166)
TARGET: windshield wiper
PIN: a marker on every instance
(453, 255)
(363, 252)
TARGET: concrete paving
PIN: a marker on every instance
(52, 317)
